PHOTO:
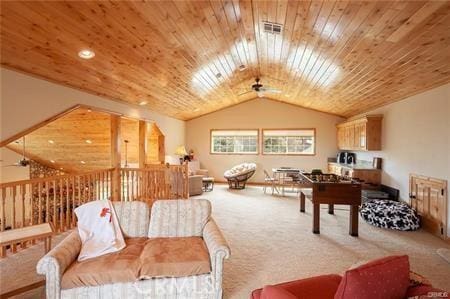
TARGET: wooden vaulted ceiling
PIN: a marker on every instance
(80, 141)
(184, 57)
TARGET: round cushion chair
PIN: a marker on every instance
(390, 214)
(238, 175)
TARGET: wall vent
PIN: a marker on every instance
(273, 28)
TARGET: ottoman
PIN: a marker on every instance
(390, 214)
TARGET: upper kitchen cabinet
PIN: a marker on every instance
(362, 134)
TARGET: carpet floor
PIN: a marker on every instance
(272, 242)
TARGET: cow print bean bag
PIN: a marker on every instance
(390, 214)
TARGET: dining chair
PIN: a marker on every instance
(269, 180)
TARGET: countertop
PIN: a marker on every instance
(356, 166)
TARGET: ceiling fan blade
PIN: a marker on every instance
(269, 89)
(241, 94)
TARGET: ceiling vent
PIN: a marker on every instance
(273, 28)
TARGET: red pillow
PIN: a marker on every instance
(273, 292)
(383, 278)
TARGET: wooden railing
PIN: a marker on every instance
(53, 199)
(154, 182)
(50, 199)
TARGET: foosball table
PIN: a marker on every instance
(332, 190)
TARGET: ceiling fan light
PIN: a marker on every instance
(51, 141)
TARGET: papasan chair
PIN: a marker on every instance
(238, 175)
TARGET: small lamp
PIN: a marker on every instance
(181, 152)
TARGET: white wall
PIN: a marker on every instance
(415, 139)
(26, 101)
(262, 114)
(12, 173)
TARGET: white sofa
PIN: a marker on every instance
(169, 218)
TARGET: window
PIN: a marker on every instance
(289, 142)
(234, 141)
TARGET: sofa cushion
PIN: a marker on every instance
(179, 218)
(134, 217)
(174, 257)
(274, 292)
(122, 266)
(383, 278)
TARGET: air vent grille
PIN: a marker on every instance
(273, 28)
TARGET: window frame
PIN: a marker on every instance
(257, 142)
(289, 154)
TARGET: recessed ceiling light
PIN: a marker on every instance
(196, 109)
(52, 161)
(89, 110)
(218, 75)
(143, 103)
(86, 54)
(51, 141)
(88, 141)
(242, 67)
(61, 168)
(82, 162)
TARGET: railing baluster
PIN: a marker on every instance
(47, 202)
(72, 214)
(55, 213)
(40, 202)
(3, 206)
(67, 203)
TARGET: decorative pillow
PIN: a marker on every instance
(99, 229)
(383, 278)
(273, 292)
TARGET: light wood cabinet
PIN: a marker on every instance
(363, 134)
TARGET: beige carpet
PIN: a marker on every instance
(272, 242)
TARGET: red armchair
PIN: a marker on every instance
(390, 272)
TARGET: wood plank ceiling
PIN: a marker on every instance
(189, 58)
(80, 141)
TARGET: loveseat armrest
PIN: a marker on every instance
(202, 172)
(54, 263)
(218, 252)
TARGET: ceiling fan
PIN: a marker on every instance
(24, 162)
(260, 89)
